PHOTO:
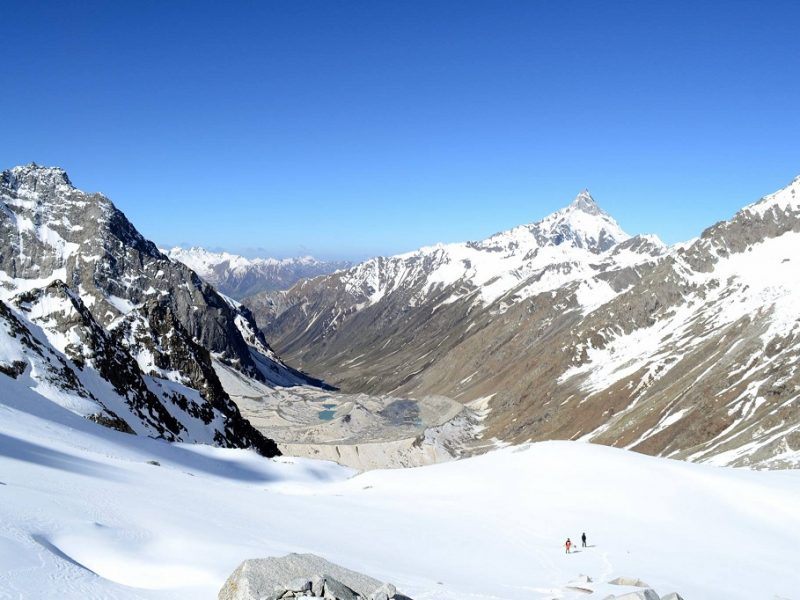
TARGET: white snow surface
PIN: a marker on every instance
(83, 514)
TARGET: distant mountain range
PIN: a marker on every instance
(94, 318)
(238, 277)
(569, 328)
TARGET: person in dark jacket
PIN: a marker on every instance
(583, 539)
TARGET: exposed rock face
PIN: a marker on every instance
(105, 297)
(302, 575)
(576, 330)
(238, 277)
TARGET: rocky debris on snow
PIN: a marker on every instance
(302, 576)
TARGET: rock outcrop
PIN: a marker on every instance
(302, 576)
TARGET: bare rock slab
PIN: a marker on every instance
(260, 578)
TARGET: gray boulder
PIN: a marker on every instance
(672, 596)
(300, 584)
(261, 578)
(336, 590)
(317, 585)
(386, 592)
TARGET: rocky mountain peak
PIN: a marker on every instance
(583, 224)
(584, 202)
(35, 178)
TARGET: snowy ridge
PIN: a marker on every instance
(575, 238)
(204, 261)
(787, 198)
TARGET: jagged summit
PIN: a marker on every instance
(582, 223)
(584, 202)
(34, 177)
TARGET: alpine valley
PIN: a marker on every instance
(142, 412)
(571, 329)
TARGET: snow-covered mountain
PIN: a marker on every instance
(96, 319)
(572, 244)
(238, 277)
(569, 328)
(580, 244)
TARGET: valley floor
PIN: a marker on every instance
(356, 430)
(87, 513)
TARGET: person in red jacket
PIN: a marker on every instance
(568, 545)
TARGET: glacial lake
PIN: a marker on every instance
(328, 413)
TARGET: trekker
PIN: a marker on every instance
(583, 539)
(568, 545)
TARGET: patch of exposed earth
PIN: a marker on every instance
(358, 430)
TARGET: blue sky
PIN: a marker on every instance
(347, 129)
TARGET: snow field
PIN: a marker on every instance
(83, 514)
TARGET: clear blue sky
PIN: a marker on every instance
(348, 129)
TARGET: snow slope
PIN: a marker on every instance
(84, 514)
